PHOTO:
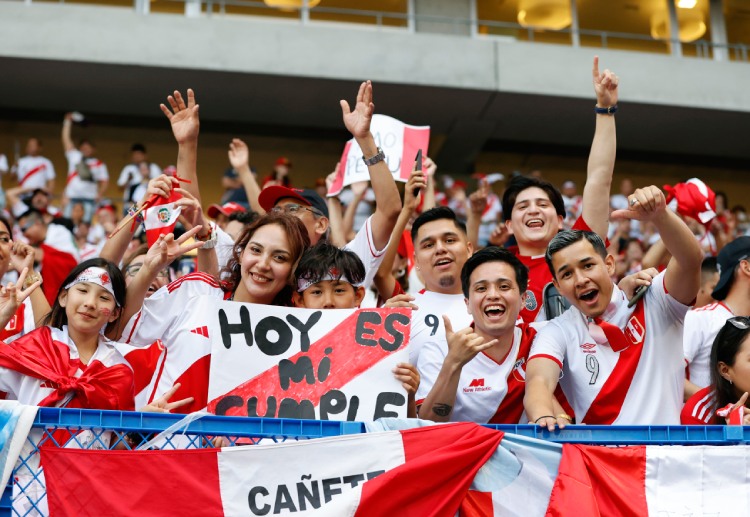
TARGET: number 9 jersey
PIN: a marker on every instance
(427, 321)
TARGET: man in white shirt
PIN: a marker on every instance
(33, 170)
(133, 180)
(620, 364)
(87, 175)
(479, 376)
(732, 293)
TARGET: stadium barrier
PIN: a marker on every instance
(110, 429)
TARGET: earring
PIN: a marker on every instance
(730, 381)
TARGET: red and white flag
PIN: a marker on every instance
(161, 216)
(399, 142)
(424, 471)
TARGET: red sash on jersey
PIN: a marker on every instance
(100, 387)
(608, 402)
(33, 171)
(511, 408)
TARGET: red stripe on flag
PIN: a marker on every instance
(594, 481)
(476, 504)
(143, 483)
(144, 361)
(414, 140)
(338, 182)
(441, 462)
(348, 360)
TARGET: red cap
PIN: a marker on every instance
(225, 209)
(692, 199)
(283, 160)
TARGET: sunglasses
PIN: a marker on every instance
(293, 208)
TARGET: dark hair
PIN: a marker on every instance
(565, 238)
(57, 316)
(138, 147)
(4, 221)
(299, 240)
(708, 268)
(85, 141)
(243, 217)
(28, 213)
(435, 214)
(494, 254)
(724, 350)
(142, 249)
(324, 258)
(520, 183)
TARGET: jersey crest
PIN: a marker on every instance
(530, 303)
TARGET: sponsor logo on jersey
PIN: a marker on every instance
(530, 303)
(588, 348)
(477, 385)
(201, 331)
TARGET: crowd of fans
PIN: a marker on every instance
(530, 303)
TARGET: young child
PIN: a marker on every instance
(331, 278)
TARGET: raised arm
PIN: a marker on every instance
(602, 155)
(463, 346)
(336, 235)
(384, 280)
(682, 279)
(477, 204)
(429, 168)
(239, 158)
(67, 140)
(22, 258)
(387, 199)
(185, 121)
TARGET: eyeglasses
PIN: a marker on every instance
(293, 208)
(133, 269)
(740, 322)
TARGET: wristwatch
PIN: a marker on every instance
(375, 159)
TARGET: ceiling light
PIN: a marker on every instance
(544, 14)
(692, 25)
(686, 4)
(290, 5)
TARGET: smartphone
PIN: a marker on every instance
(638, 295)
(418, 167)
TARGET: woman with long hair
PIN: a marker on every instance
(260, 271)
(730, 377)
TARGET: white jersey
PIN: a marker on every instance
(34, 172)
(488, 391)
(701, 326)
(167, 316)
(30, 390)
(76, 188)
(131, 176)
(651, 391)
(362, 245)
(427, 322)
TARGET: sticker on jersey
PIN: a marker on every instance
(530, 303)
(477, 385)
(519, 370)
(288, 362)
(635, 331)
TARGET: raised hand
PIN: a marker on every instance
(239, 154)
(417, 180)
(643, 205)
(183, 117)
(429, 166)
(464, 344)
(21, 256)
(605, 86)
(167, 248)
(161, 185)
(500, 235)
(401, 300)
(478, 198)
(331, 178)
(163, 405)
(192, 212)
(11, 297)
(358, 121)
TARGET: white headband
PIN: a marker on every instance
(304, 283)
(95, 275)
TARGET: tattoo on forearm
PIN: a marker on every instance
(442, 409)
